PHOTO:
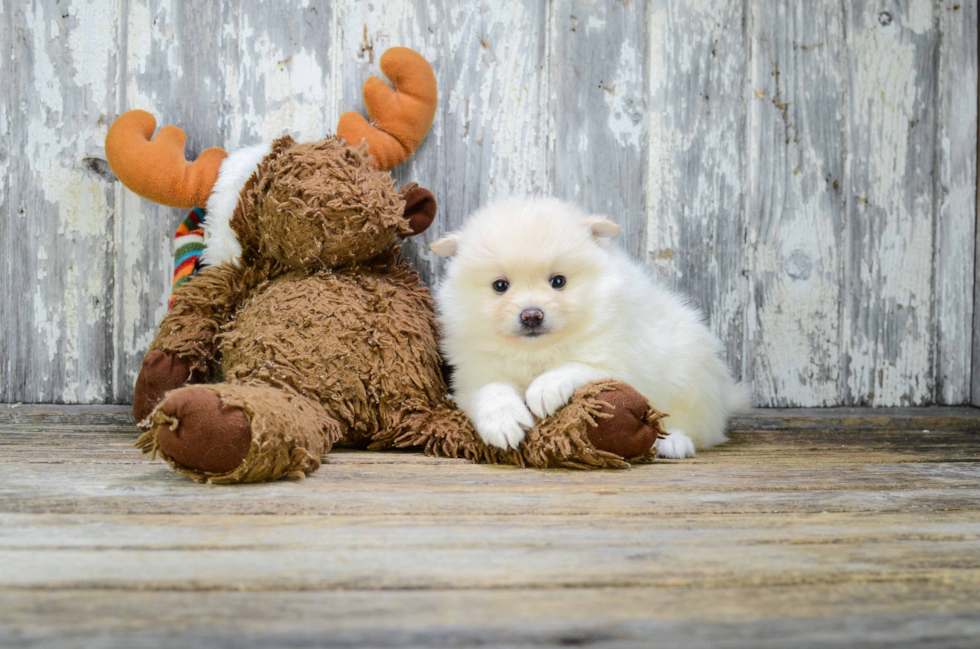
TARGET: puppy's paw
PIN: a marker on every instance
(505, 427)
(549, 392)
(501, 418)
(675, 446)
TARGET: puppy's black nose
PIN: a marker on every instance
(532, 317)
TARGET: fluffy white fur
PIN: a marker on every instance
(611, 319)
(220, 241)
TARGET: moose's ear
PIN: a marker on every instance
(601, 227)
(445, 247)
(420, 208)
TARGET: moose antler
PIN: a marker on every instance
(156, 168)
(400, 117)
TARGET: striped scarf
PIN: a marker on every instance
(188, 246)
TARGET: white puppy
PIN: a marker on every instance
(535, 304)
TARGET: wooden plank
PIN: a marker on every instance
(755, 440)
(851, 419)
(975, 378)
(490, 134)
(956, 200)
(790, 472)
(231, 532)
(365, 31)
(91, 418)
(82, 416)
(795, 201)
(806, 459)
(856, 528)
(601, 85)
(8, 106)
(169, 66)
(888, 265)
(276, 553)
(278, 72)
(57, 341)
(695, 228)
(858, 615)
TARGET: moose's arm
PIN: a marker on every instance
(186, 347)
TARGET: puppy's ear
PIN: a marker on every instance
(445, 247)
(600, 227)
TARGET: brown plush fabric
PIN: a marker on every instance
(202, 433)
(289, 433)
(630, 426)
(318, 205)
(156, 169)
(563, 440)
(160, 373)
(203, 306)
(420, 207)
(361, 341)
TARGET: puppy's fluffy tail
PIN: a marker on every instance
(739, 398)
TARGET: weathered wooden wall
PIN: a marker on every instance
(804, 169)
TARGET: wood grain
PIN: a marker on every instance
(8, 104)
(893, 615)
(697, 154)
(285, 553)
(888, 265)
(56, 336)
(365, 31)
(795, 201)
(601, 111)
(669, 117)
(815, 528)
(956, 198)
(489, 138)
(279, 71)
(169, 65)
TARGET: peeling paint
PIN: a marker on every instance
(275, 88)
(694, 177)
(627, 107)
(920, 16)
(778, 161)
(66, 225)
(600, 108)
(891, 233)
(793, 208)
(957, 343)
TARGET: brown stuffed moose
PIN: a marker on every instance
(307, 328)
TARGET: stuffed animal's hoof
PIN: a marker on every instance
(199, 432)
(627, 433)
(161, 372)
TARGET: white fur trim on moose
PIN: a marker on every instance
(220, 242)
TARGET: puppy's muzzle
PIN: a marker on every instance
(531, 320)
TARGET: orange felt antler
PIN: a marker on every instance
(400, 118)
(156, 168)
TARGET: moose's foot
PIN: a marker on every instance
(197, 431)
(226, 433)
(631, 427)
(161, 372)
(606, 424)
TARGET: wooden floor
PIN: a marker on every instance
(811, 528)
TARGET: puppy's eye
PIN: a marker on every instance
(558, 282)
(501, 285)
